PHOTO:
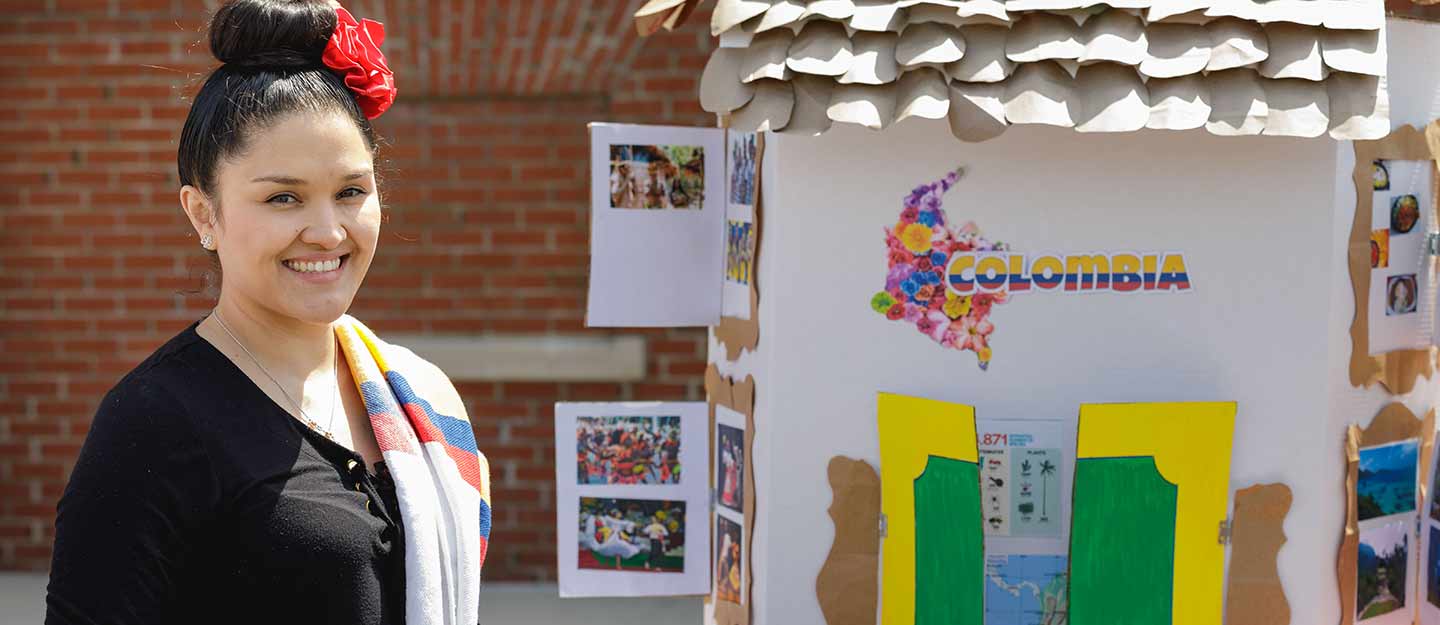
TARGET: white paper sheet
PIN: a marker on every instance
(1429, 600)
(1387, 494)
(729, 504)
(1025, 475)
(618, 467)
(741, 156)
(657, 206)
(1401, 279)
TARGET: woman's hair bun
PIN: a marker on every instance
(272, 33)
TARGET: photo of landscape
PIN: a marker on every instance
(1387, 479)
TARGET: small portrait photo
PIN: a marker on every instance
(627, 450)
(739, 251)
(730, 467)
(1382, 567)
(1400, 294)
(1387, 479)
(637, 535)
(742, 168)
(657, 176)
(1379, 249)
(728, 567)
(1380, 174)
(1404, 213)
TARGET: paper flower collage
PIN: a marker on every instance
(919, 247)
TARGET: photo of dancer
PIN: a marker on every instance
(639, 535)
(730, 466)
(627, 450)
(727, 559)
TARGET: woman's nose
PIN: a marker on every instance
(325, 228)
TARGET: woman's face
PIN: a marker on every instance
(299, 217)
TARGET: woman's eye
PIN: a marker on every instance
(283, 195)
(358, 192)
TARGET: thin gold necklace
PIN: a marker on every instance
(304, 416)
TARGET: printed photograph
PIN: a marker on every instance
(727, 559)
(1387, 479)
(1380, 173)
(1384, 558)
(1432, 565)
(1404, 213)
(627, 450)
(742, 168)
(637, 535)
(1435, 496)
(1379, 249)
(657, 176)
(730, 466)
(739, 251)
(1401, 294)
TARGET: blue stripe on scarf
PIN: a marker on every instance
(457, 432)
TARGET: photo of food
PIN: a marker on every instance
(739, 251)
(1404, 213)
(1379, 249)
(1400, 294)
(1381, 569)
(730, 466)
(637, 535)
(627, 450)
(1387, 479)
(657, 176)
(742, 168)
(1380, 173)
(1432, 565)
(727, 559)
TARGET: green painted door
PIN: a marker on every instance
(949, 544)
(1122, 543)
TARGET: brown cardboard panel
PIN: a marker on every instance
(848, 584)
(1397, 370)
(667, 14)
(1254, 595)
(1394, 423)
(740, 397)
(734, 333)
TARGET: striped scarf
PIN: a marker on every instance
(441, 478)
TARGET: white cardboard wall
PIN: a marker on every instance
(1262, 221)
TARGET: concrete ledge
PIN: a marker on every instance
(548, 358)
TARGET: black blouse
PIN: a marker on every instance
(197, 499)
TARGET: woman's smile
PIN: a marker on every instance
(317, 269)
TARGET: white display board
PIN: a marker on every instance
(1263, 223)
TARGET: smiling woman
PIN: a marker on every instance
(209, 473)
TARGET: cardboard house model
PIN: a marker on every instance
(1245, 139)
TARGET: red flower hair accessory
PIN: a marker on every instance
(354, 53)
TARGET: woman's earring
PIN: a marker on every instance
(207, 242)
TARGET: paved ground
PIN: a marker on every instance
(22, 602)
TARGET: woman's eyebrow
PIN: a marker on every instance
(290, 180)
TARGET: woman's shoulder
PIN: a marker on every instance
(425, 378)
(156, 386)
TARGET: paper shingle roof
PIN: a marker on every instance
(1299, 68)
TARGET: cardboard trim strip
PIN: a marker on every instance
(1394, 423)
(740, 397)
(848, 583)
(734, 333)
(1255, 595)
(1396, 370)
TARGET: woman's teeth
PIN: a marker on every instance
(314, 267)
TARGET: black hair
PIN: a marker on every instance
(270, 54)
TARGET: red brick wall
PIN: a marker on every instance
(487, 230)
